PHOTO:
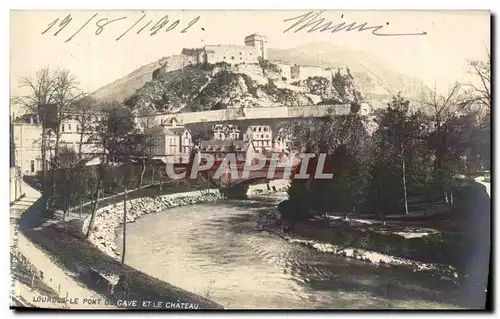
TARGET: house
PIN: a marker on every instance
(282, 141)
(170, 142)
(225, 132)
(259, 135)
(26, 132)
(220, 148)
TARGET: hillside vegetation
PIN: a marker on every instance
(204, 87)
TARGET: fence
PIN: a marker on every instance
(23, 271)
(15, 184)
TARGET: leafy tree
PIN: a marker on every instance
(344, 141)
(397, 129)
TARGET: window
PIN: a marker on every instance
(32, 164)
(261, 135)
(69, 127)
(77, 128)
(62, 127)
(232, 58)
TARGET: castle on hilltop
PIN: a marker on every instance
(255, 47)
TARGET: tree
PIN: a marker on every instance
(482, 91)
(397, 129)
(65, 93)
(85, 112)
(344, 141)
(202, 134)
(442, 110)
(147, 142)
(126, 183)
(67, 179)
(40, 94)
(114, 133)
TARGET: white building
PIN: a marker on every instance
(171, 142)
(302, 72)
(255, 47)
(260, 136)
(225, 132)
(286, 69)
(27, 133)
(282, 141)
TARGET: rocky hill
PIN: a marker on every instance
(199, 87)
(377, 81)
(373, 78)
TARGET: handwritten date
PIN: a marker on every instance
(162, 25)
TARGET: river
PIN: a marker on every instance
(215, 250)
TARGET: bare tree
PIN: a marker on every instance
(482, 91)
(65, 94)
(40, 95)
(442, 109)
(85, 113)
(146, 122)
(114, 135)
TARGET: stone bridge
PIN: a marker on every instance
(234, 181)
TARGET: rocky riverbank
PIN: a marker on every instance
(108, 218)
(268, 222)
(274, 186)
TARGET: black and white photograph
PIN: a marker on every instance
(250, 160)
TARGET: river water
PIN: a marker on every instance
(215, 250)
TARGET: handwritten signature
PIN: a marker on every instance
(162, 24)
(310, 19)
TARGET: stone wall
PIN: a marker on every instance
(108, 218)
(258, 113)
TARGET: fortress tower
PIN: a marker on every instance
(258, 41)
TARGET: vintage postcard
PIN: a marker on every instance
(189, 160)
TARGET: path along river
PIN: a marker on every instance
(216, 250)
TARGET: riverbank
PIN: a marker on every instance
(442, 238)
(33, 271)
(109, 218)
(274, 186)
(85, 271)
(362, 242)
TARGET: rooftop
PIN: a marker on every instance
(218, 145)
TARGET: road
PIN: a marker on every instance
(53, 276)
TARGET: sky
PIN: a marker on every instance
(437, 58)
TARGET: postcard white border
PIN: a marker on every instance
(218, 4)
